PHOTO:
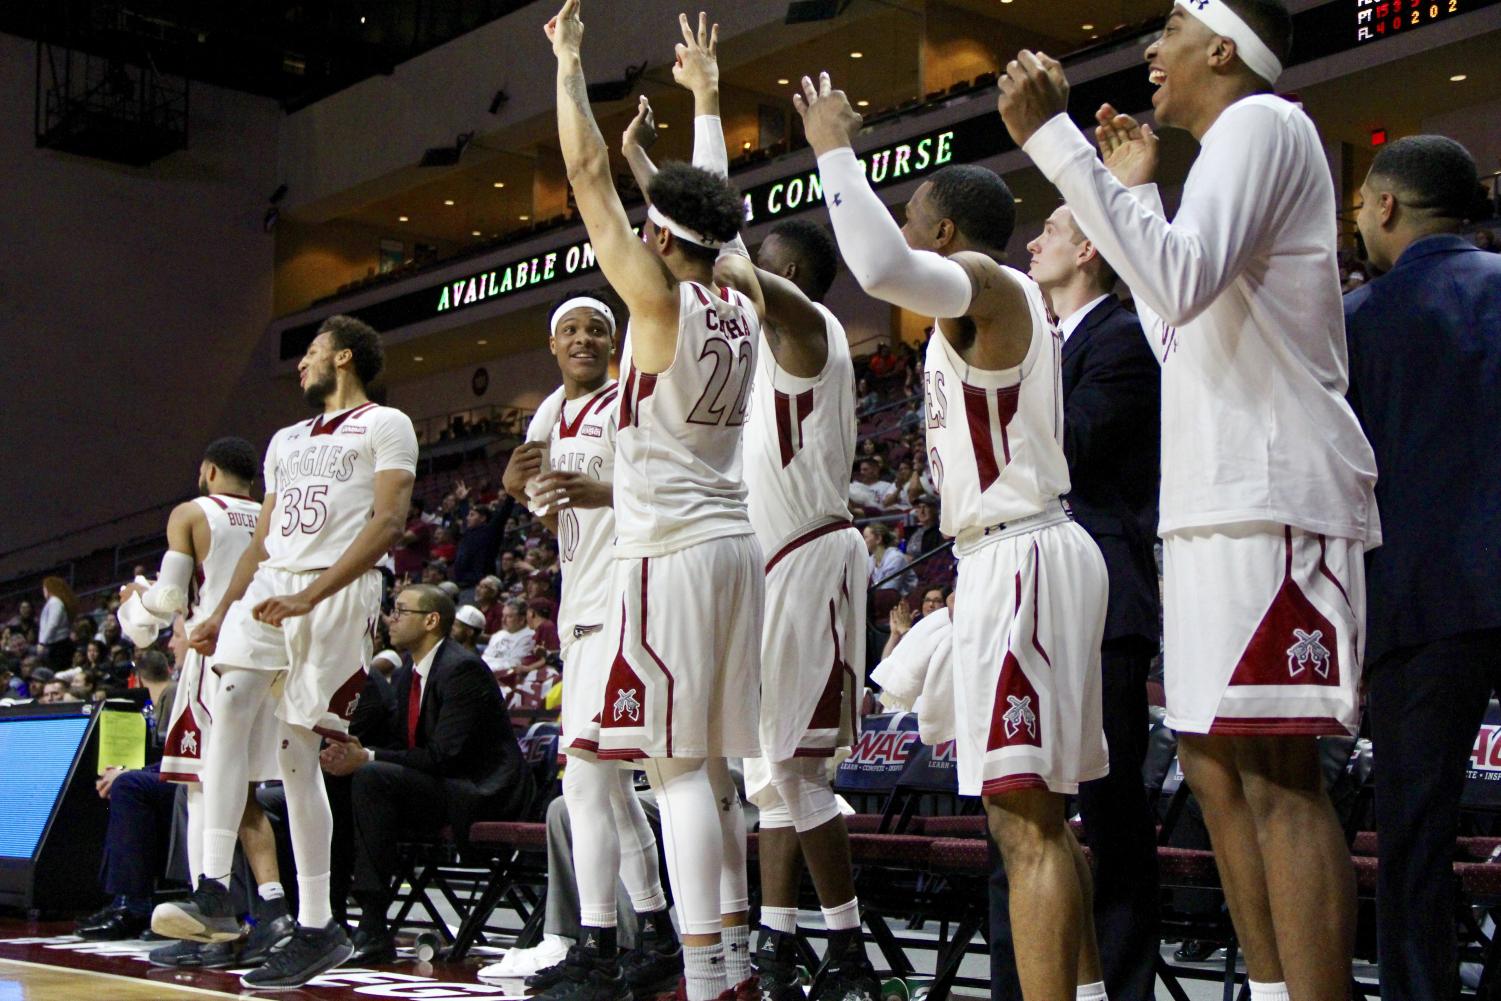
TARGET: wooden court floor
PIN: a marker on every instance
(44, 962)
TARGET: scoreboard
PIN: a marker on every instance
(1373, 20)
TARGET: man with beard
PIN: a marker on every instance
(295, 625)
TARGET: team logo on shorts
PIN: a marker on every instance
(1307, 651)
(1018, 715)
(627, 705)
(188, 745)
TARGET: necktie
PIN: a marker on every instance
(414, 708)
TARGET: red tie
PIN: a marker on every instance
(414, 707)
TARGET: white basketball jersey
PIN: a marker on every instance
(231, 525)
(800, 443)
(678, 475)
(323, 473)
(995, 438)
(581, 439)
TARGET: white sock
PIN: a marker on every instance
(782, 919)
(703, 967)
(843, 917)
(218, 854)
(271, 891)
(313, 909)
(1269, 992)
(737, 964)
(1091, 992)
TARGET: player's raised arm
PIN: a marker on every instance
(640, 277)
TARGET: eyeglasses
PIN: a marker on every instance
(397, 611)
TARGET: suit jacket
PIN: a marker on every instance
(1112, 389)
(464, 737)
(1425, 381)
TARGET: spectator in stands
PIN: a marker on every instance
(487, 599)
(468, 626)
(1425, 381)
(411, 552)
(452, 758)
(901, 618)
(911, 418)
(539, 584)
(110, 633)
(445, 546)
(512, 572)
(883, 364)
(84, 629)
(56, 691)
(924, 536)
(24, 619)
(12, 685)
(513, 643)
(886, 560)
(868, 491)
(55, 628)
(434, 572)
(866, 398)
(475, 555)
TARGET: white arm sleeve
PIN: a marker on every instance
(1177, 267)
(1158, 334)
(709, 153)
(878, 255)
(169, 594)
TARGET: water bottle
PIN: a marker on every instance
(427, 945)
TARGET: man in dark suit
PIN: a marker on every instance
(453, 758)
(1425, 380)
(1111, 390)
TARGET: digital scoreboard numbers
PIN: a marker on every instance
(1377, 19)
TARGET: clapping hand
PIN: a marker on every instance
(1128, 148)
(1034, 89)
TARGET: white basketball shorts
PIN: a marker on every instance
(1029, 615)
(685, 676)
(1262, 631)
(813, 644)
(322, 654)
(586, 669)
(191, 722)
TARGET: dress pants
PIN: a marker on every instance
(1121, 834)
(140, 828)
(1426, 704)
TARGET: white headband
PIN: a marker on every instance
(575, 303)
(1220, 19)
(680, 231)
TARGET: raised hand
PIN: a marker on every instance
(1034, 89)
(697, 66)
(828, 120)
(642, 132)
(565, 30)
(1128, 147)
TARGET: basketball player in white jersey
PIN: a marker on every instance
(683, 690)
(295, 627)
(205, 539)
(1267, 479)
(800, 444)
(574, 429)
(1029, 611)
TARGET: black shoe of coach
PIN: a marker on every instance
(372, 947)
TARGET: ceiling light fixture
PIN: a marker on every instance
(862, 104)
(1458, 78)
(402, 218)
(1087, 27)
(417, 358)
(498, 184)
(448, 201)
(474, 232)
(482, 341)
(782, 81)
(524, 218)
(857, 55)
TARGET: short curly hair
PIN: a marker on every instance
(362, 340)
(704, 202)
(235, 456)
(815, 250)
(978, 202)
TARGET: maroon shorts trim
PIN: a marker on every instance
(814, 752)
(622, 754)
(584, 744)
(179, 777)
(1277, 726)
(1012, 783)
(805, 538)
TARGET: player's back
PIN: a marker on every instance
(231, 523)
(995, 438)
(323, 473)
(678, 477)
(581, 439)
(800, 443)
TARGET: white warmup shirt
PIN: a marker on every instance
(1240, 297)
(678, 476)
(580, 436)
(231, 526)
(800, 443)
(995, 438)
(323, 474)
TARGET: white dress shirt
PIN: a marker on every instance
(1240, 298)
(423, 667)
(1070, 323)
(878, 494)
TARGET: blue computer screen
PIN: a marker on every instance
(35, 756)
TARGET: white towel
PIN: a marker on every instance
(919, 676)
